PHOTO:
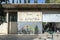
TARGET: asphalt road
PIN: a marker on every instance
(17, 37)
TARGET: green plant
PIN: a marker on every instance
(24, 1)
(6, 1)
(36, 29)
(28, 1)
(19, 1)
(47, 1)
(35, 1)
(12, 1)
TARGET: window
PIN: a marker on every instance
(12, 16)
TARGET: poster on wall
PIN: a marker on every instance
(29, 22)
(51, 17)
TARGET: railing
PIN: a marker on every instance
(28, 1)
(19, 1)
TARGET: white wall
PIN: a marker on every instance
(30, 16)
(23, 15)
(51, 16)
(4, 28)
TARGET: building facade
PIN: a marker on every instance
(29, 18)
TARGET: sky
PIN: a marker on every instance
(39, 1)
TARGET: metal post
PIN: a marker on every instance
(51, 35)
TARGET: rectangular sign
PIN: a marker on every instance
(30, 16)
(51, 17)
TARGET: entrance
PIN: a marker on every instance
(12, 23)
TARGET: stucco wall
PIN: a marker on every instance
(4, 28)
